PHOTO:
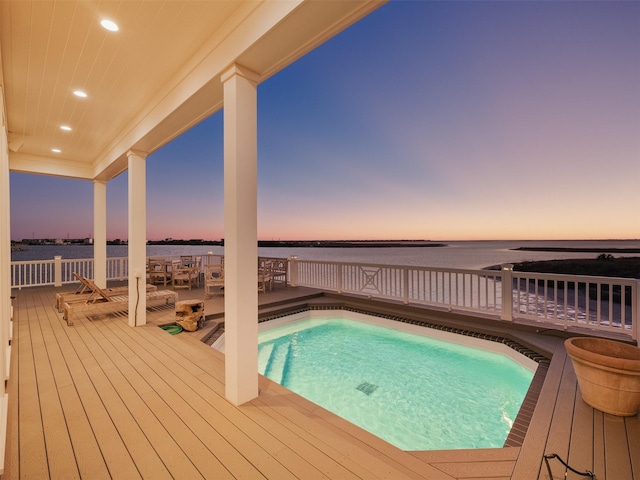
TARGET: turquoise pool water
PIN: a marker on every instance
(415, 392)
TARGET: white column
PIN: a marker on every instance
(100, 233)
(240, 234)
(5, 266)
(137, 237)
(5, 277)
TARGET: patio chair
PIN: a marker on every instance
(279, 271)
(265, 276)
(197, 269)
(101, 300)
(184, 277)
(158, 271)
(213, 279)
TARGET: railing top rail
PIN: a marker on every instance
(487, 272)
(408, 267)
(578, 278)
(31, 262)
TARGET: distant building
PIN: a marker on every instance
(57, 241)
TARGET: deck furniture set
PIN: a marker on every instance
(182, 273)
(214, 278)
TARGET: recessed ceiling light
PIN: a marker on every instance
(56, 150)
(66, 128)
(109, 25)
(80, 93)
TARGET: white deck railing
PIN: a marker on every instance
(556, 301)
(462, 289)
(601, 303)
(60, 271)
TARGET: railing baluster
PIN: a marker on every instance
(555, 299)
(623, 304)
(576, 302)
(610, 296)
(587, 302)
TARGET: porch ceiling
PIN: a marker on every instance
(147, 83)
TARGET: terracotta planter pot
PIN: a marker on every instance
(608, 374)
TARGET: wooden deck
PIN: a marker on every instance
(104, 400)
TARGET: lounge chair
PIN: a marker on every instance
(213, 279)
(83, 293)
(101, 300)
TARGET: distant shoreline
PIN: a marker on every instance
(578, 249)
(604, 266)
(349, 243)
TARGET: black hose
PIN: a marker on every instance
(135, 315)
(587, 473)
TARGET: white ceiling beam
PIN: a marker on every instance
(60, 167)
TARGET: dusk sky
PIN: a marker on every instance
(425, 120)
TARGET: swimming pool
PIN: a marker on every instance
(414, 391)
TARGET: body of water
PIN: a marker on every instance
(470, 254)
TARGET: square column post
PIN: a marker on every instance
(507, 292)
(5, 269)
(100, 233)
(137, 250)
(240, 234)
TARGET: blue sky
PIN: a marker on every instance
(425, 120)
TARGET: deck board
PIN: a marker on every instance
(485, 463)
(632, 424)
(85, 447)
(534, 445)
(618, 462)
(87, 408)
(558, 441)
(61, 459)
(598, 443)
(32, 448)
(104, 400)
(581, 440)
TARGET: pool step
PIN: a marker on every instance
(277, 362)
(264, 357)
